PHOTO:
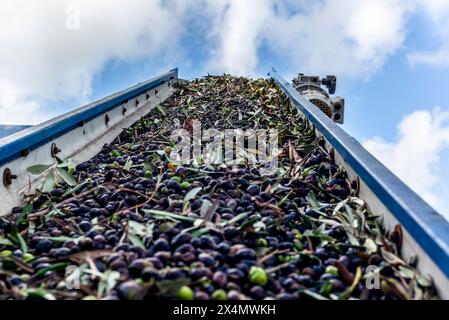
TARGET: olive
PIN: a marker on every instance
(129, 290)
(220, 279)
(185, 293)
(60, 252)
(223, 248)
(180, 239)
(43, 246)
(253, 190)
(322, 253)
(304, 279)
(207, 259)
(219, 294)
(198, 273)
(57, 192)
(149, 273)
(258, 276)
(233, 295)
(257, 292)
(135, 268)
(207, 242)
(161, 244)
(246, 254)
(180, 171)
(230, 232)
(201, 295)
(235, 274)
(285, 296)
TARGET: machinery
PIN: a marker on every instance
(80, 135)
(311, 88)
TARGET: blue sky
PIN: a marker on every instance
(391, 58)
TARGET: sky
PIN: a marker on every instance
(391, 58)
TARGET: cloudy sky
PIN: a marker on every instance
(391, 58)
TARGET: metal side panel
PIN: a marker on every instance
(426, 233)
(79, 135)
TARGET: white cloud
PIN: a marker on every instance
(43, 61)
(351, 38)
(417, 155)
(238, 28)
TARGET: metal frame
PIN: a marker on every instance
(426, 226)
(77, 136)
(33, 137)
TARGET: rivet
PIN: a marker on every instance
(8, 177)
(54, 150)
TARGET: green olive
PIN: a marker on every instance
(185, 293)
(219, 294)
(258, 276)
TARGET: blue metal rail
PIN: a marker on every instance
(428, 228)
(12, 147)
(7, 130)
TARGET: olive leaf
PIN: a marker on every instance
(190, 196)
(168, 215)
(128, 164)
(161, 109)
(5, 242)
(38, 168)
(67, 177)
(139, 232)
(39, 293)
(49, 183)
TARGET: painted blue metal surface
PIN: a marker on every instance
(31, 138)
(7, 130)
(429, 229)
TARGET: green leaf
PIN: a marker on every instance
(128, 164)
(136, 241)
(423, 281)
(5, 242)
(38, 169)
(22, 243)
(140, 229)
(108, 281)
(38, 293)
(75, 189)
(281, 202)
(199, 232)
(60, 266)
(61, 239)
(67, 177)
(370, 246)
(314, 295)
(406, 272)
(161, 110)
(168, 215)
(49, 183)
(148, 165)
(189, 196)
